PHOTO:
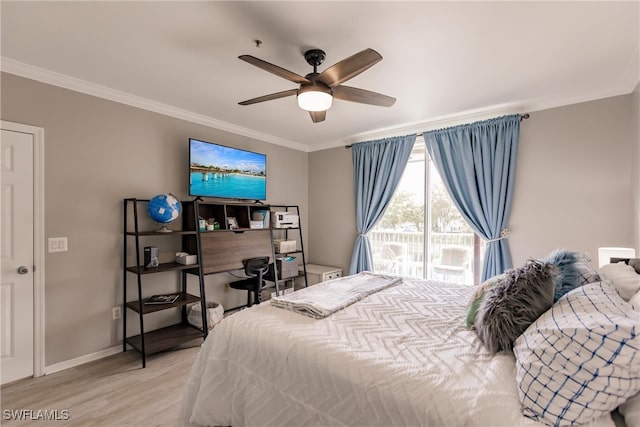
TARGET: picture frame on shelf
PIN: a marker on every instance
(232, 223)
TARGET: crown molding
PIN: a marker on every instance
(625, 87)
(43, 75)
(627, 82)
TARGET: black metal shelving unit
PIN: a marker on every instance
(288, 233)
(149, 342)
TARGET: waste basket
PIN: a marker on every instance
(215, 314)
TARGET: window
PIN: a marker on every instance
(400, 240)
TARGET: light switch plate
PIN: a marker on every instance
(58, 244)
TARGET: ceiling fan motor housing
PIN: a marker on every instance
(314, 57)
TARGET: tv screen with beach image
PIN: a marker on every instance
(225, 172)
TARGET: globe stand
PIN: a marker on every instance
(163, 229)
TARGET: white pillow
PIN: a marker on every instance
(624, 278)
(579, 360)
(635, 302)
(630, 410)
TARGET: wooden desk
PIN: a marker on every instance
(225, 250)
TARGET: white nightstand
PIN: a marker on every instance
(320, 273)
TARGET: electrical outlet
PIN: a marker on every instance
(116, 313)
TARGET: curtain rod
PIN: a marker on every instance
(524, 116)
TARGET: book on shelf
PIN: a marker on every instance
(162, 299)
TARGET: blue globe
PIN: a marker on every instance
(163, 209)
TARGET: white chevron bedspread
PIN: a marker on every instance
(399, 357)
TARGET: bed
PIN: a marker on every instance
(402, 356)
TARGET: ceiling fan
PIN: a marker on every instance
(317, 90)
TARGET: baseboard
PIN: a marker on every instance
(56, 367)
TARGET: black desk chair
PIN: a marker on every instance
(255, 268)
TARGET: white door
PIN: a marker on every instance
(17, 251)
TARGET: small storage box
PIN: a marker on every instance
(186, 259)
(283, 246)
(287, 267)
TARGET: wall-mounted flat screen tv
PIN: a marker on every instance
(225, 172)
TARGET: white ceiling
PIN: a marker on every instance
(443, 61)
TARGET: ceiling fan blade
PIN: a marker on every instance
(318, 116)
(269, 97)
(353, 94)
(274, 69)
(349, 67)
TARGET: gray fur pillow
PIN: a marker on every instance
(515, 303)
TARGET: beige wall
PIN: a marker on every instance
(98, 152)
(332, 208)
(635, 186)
(573, 185)
(573, 182)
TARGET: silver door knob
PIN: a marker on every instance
(23, 270)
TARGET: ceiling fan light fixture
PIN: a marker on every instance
(314, 97)
(316, 91)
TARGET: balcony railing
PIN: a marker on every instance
(402, 252)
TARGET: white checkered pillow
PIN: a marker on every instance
(581, 358)
(586, 273)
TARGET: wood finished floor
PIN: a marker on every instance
(114, 391)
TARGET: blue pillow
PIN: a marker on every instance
(575, 271)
